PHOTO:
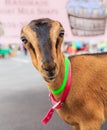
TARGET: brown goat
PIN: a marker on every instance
(85, 107)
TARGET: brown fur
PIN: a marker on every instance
(86, 105)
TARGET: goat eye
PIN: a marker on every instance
(61, 34)
(24, 40)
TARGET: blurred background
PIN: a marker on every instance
(23, 93)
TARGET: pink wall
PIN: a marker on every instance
(16, 13)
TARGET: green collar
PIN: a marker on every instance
(61, 88)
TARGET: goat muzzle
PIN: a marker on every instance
(49, 70)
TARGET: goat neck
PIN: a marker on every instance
(56, 84)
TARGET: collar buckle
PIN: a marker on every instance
(56, 106)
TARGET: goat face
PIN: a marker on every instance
(43, 39)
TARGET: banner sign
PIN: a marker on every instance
(14, 14)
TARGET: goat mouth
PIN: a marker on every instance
(50, 78)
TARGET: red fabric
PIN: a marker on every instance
(58, 104)
(48, 116)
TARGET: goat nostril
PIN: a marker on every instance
(50, 68)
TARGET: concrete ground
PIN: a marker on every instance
(24, 97)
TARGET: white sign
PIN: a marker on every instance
(14, 14)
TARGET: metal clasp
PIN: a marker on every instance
(56, 105)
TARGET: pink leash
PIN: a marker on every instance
(58, 104)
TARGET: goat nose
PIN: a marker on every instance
(49, 67)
